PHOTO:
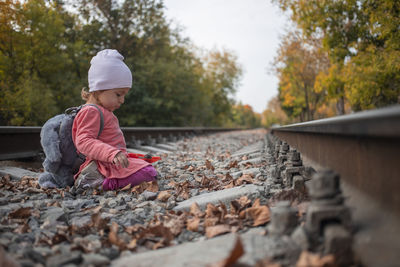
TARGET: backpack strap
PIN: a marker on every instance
(74, 110)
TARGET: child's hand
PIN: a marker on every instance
(121, 160)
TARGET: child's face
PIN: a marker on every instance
(112, 99)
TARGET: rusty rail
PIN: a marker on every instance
(363, 147)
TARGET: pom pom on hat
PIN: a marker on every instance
(108, 71)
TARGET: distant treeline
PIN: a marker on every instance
(341, 56)
(46, 47)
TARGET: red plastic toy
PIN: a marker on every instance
(147, 157)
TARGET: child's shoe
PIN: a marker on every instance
(89, 177)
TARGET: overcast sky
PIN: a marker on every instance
(250, 28)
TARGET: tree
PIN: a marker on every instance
(362, 41)
(298, 63)
(244, 116)
(222, 75)
(31, 60)
(46, 47)
(274, 114)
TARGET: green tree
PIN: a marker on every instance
(298, 63)
(222, 76)
(362, 41)
(31, 60)
(244, 116)
(274, 113)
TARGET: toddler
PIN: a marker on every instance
(107, 165)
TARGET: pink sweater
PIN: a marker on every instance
(103, 149)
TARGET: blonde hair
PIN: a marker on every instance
(85, 94)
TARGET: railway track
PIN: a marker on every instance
(221, 169)
(24, 142)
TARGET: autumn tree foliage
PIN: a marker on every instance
(361, 40)
(297, 65)
(46, 47)
(274, 114)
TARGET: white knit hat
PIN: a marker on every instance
(108, 71)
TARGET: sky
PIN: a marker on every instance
(250, 28)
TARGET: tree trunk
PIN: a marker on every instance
(340, 106)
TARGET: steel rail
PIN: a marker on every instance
(23, 142)
(363, 147)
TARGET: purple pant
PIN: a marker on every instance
(146, 174)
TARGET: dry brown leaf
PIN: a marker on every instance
(98, 222)
(245, 179)
(113, 236)
(163, 196)
(233, 164)
(127, 187)
(149, 186)
(58, 238)
(234, 255)
(219, 229)
(159, 230)
(211, 221)
(22, 229)
(175, 225)
(132, 245)
(211, 210)
(193, 224)
(259, 213)
(266, 263)
(191, 168)
(152, 186)
(196, 211)
(21, 213)
(230, 185)
(244, 201)
(209, 166)
(309, 259)
(131, 229)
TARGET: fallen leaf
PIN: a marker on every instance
(159, 230)
(196, 211)
(152, 186)
(175, 225)
(21, 213)
(230, 185)
(127, 187)
(132, 245)
(22, 229)
(245, 179)
(131, 229)
(244, 201)
(193, 224)
(219, 229)
(266, 263)
(260, 215)
(98, 222)
(211, 221)
(191, 168)
(234, 255)
(309, 259)
(209, 166)
(233, 164)
(211, 210)
(113, 236)
(163, 196)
